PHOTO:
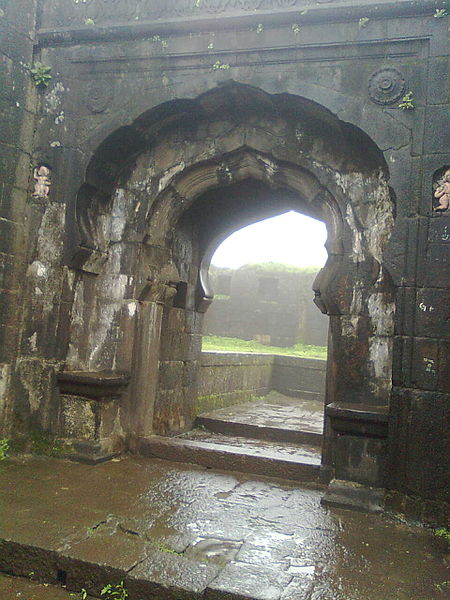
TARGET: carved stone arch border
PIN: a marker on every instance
(328, 164)
(181, 192)
(115, 154)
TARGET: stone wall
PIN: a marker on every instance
(18, 216)
(263, 303)
(232, 378)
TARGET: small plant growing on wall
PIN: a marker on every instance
(363, 22)
(4, 447)
(296, 28)
(218, 66)
(260, 28)
(443, 534)
(407, 102)
(82, 595)
(115, 592)
(41, 74)
(440, 13)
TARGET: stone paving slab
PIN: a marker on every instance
(276, 417)
(181, 532)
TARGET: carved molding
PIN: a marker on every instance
(116, 10)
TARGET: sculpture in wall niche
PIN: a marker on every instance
(42, 178)
(441, 187)
(386, 86)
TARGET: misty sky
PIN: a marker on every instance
(291, 238)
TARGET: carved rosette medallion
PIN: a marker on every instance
(386, 86)
(98, 97)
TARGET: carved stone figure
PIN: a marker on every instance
(43, 182)
(442, 192)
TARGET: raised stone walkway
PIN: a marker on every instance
(184, 532)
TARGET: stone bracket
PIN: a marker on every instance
(93, 385)
(358, 419)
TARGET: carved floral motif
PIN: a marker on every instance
(386, 86)
(441, 196)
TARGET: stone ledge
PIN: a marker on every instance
(358, 419)
(96, 385)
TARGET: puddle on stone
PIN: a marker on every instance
(213, 550)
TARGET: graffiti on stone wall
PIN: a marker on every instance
(42, 181)
(441, 189)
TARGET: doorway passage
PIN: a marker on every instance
(261, 388)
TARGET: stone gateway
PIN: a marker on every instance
(136, 136)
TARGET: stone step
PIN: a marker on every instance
(258, 431)
(298, 462)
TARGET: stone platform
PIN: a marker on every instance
(276, 417)
(183, 532)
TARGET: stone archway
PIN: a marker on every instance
(147, 231)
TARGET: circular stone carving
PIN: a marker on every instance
(386, 86)
(98, 97)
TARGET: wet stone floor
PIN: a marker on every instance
(181, 532)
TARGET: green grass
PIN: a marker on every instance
(226, 344)
(274, 267)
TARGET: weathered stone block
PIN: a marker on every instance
(432, 313)
(436, 125)
(425, 364)
(361, 460)
(170, 374)
(78, 418)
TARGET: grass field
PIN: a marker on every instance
(226, 344)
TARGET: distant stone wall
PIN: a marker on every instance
(299, 376)
(233, 378)
(262, 303)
